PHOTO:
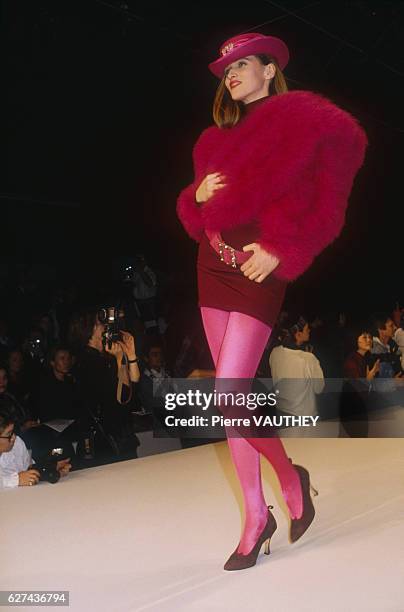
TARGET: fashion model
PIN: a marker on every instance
(272, 180)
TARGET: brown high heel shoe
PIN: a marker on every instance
(238, 561)
(299, 526)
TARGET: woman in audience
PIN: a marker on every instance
(297, 373)
(359, 370)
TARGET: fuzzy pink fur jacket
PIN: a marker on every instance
(290, 165)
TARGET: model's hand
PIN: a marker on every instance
(28, 477)
(210, 184)
(260, 264)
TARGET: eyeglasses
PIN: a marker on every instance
(9, 436)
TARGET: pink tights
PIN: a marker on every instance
(236, 343)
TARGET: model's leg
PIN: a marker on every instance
(215, 325)
(241, 350)
(245, 458)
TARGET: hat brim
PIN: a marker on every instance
(269, 45)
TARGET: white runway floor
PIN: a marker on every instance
(153, 534)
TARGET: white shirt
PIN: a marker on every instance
(298, 377)
(399, 338)
(14, 461)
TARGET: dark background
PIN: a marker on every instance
(105, 101)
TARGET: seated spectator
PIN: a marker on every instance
(383, 329)
(19, 380)
(154, 375)
(16, 468)
(39, 438)
(55, 398)
(21, 414)
(296, 372)
(356, 365)
(101, 387)
(359, 372)
(399, 337)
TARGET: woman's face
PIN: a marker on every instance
(248, 79)
(365, 342)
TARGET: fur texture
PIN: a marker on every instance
(290, 164)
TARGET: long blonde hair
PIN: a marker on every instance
(227, 112)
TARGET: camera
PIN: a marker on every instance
(128, 273)
(47, 465)
(112, 318)
(35, 348)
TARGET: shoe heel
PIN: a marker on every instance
(267, 545)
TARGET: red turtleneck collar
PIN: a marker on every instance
(248, 108)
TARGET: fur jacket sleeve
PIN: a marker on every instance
(289, 165)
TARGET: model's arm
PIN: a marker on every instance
(311, 215)
(190, 200)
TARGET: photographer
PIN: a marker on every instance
(15, 461)
(106, 368)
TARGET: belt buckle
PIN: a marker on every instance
(225, 248)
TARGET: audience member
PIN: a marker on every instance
(153, 379)
(21, 414)
(55, 399)
(357, 396)
(37, 436)
(384, 346)
(16, 468)
(296, 372)
(399, 337)
(19, 379)
(46, 325)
